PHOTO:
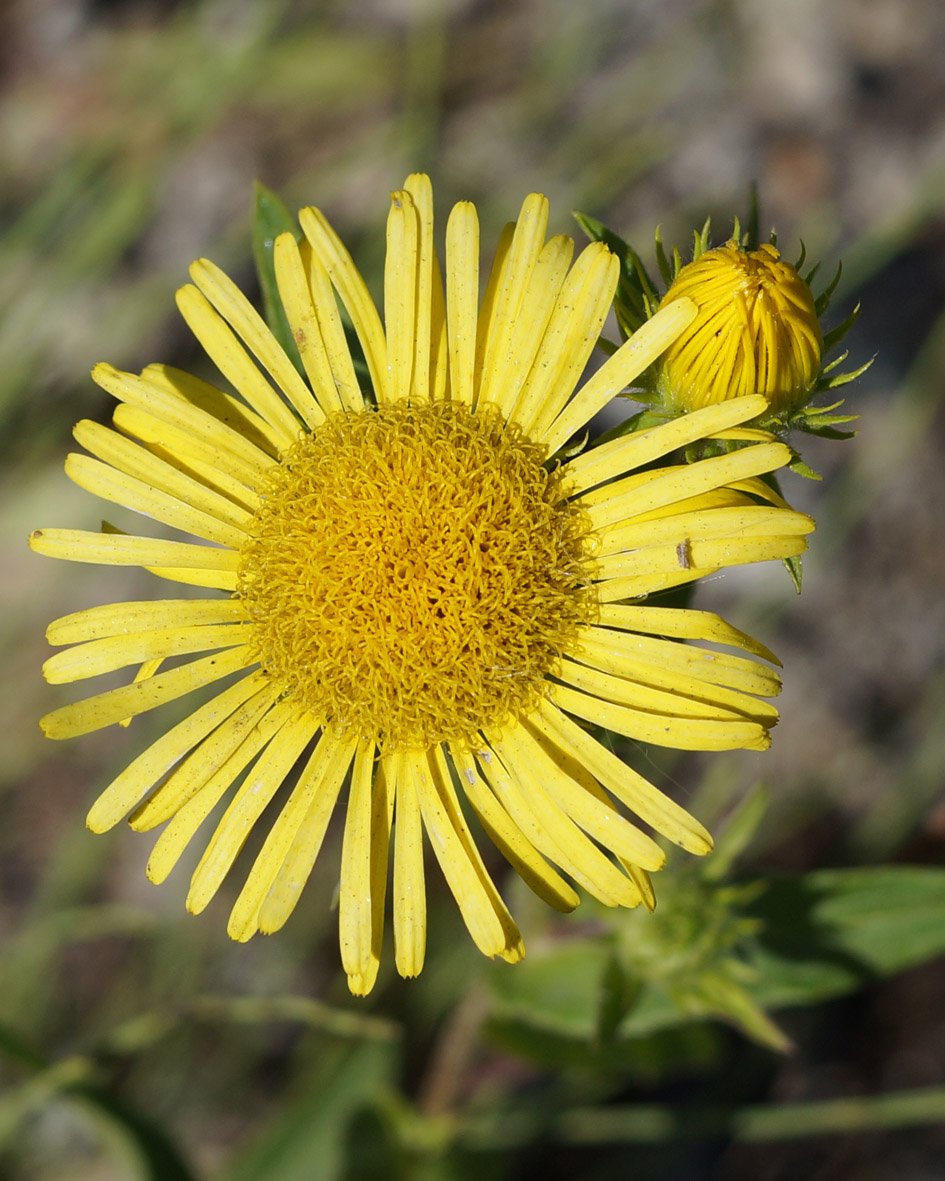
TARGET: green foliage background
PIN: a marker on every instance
(783, 1012)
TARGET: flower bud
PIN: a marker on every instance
(756, 332)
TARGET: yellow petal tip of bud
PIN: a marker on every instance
(755, 331)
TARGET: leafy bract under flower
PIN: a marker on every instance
(426, 597)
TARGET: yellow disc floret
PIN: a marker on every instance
(413, 572)
(757, 332)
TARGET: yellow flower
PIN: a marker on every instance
(756, 332)
(415, 601)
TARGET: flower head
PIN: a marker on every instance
(424, 599)
(756, 332)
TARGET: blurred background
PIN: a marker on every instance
(136, 1041)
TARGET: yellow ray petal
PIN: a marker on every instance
(112, 652)
(616, 502)
(409, 891)
(681, 733)
(462, 298)
(205, 796)
(540, 301)
(214, 467)
(94, 713)
(334, 257)
(118, 488)
(662, 663)
(331, 328)
(639, 352)
(466, 886)
(494, 285)
(486, 919)
(305, 829)
(187, 779)
(247, 807)
(382, 800)
(427, 277)
(243, 318)
(572, 333)
(694, 558)
(328, 755)
(225, 351)
(356, 910)
(401, 283)
(741, 523)
(215, 579)
(552, 832)
(650, 804)
(633, 451)
(296, 297)
(112, 619)
(224, 408)
(705, 701)
(510, 300)
(171, 407)
(682, 623)
(120, 549)
(508, 838)
(518, 750)
(580, 774)
(139, 462)
(136, 780)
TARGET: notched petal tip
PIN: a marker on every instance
(513, 953)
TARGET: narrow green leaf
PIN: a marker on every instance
(307, 1139)
(822, 302)
(270, 219)
(618, 994)
(741, 827)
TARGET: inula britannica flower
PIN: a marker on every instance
(423, 604)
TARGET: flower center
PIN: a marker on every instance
(414, 572)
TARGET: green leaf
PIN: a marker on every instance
(806, 939)
(270, 219)
(618, 994)
(741, 827)
(832, 931)
(559, 989)
(636, 298)
(307, 1140)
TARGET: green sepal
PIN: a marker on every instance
(822, 301)
(835, 335)
(721, 995)
(666, 271)
(800, 468)
(841, 379)
(822, 428)
(636, 299)
(641, 421)
(270, 219)
(794, 566)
